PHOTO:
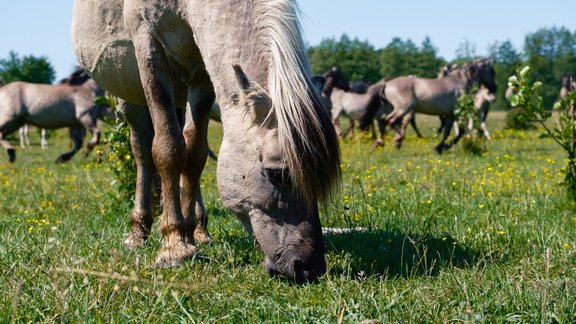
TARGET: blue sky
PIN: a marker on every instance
(42, 27)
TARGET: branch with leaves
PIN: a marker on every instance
(525, 95)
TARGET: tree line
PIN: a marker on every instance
(550, 52)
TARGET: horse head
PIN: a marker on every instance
(335, 79)
(269, 176)
(78, 77)
(482, 71)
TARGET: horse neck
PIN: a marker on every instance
(463, 79)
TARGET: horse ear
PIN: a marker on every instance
(253, 96)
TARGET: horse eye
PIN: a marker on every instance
(276, 176)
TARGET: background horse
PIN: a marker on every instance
(51, 106)
(482, 101)
(354, 103)
(435, 97)
(279, 155)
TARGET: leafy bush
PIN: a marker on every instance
(119, 157)
(563, 133)
(473, 143)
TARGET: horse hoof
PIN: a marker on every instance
(175, 255)
(202, 237)
(11, 155)
(441, 148)
(134, 241)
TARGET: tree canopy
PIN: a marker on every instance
(28, 68)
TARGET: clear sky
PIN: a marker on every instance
(42, 27)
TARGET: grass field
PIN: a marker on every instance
(450, 237)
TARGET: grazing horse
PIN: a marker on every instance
(69, 104)
(279, 155)
(435, 97)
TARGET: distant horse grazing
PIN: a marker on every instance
(51, 106)
(279, 154)
(435, 97)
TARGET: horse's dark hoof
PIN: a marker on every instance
(11, 155)
(442, 147)
(63, 158)
(378, 143)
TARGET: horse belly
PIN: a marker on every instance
(104, 48)
(55, 116)
(434, 109)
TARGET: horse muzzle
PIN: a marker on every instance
(297, 270)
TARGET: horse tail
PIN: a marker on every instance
(377, 102)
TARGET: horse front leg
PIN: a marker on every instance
(141, 135)
(90, 124)
(483, 126)
(448, 122)
(168, 146)
(195, 135)
(77, 136)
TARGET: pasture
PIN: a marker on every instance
(450, 237)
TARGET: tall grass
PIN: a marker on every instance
(451, 237)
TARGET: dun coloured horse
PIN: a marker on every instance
(482, 101)
(279, 154)
(361, 102)
(69, 104)
(435, 97)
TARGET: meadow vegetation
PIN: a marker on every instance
(453, 237)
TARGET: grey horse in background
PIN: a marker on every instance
(482, 101)
(70, 104)
(362, 103)
(435, 97)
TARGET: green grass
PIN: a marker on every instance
(451, 237)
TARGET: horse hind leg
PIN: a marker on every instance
(44, 138)
(414, 127)
(168, 148)
(141, 134)
(10, 151)
(195, 136)
(23, 133)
